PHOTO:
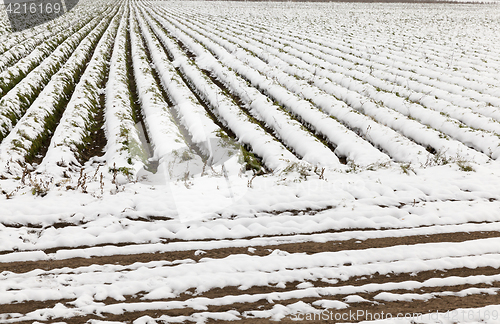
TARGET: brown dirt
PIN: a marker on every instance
(441, 304)
(304, 247)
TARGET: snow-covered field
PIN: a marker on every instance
(247, 161)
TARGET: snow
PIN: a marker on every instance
(274, 155)
(200, 198)
(425, 197)
(66, 138)
(262, 108)
(124, 138)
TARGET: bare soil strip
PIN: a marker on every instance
(303, 247)
(439, 303)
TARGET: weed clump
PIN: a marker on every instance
(406, 167)
(465, 166)
(251, 162)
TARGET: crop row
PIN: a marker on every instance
(308, 73)
(32, 109)
(132, 83)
